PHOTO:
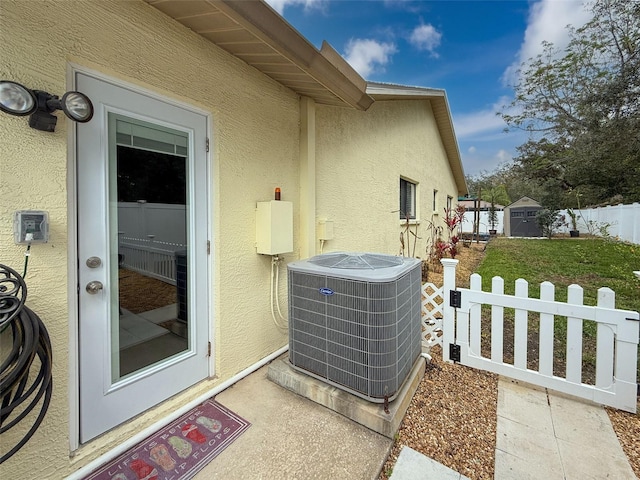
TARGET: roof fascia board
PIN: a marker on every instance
(272, 29)
(389, 90)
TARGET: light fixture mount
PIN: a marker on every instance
(16, 99)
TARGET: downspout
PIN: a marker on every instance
(307, 177)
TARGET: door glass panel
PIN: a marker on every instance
(149, 244)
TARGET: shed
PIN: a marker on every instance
(520, 218)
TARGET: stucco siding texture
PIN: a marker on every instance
(360, 157)
(254, 148)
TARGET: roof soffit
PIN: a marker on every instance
(255, 33)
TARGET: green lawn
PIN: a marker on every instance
(591, 263)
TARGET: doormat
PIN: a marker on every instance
(179, 450)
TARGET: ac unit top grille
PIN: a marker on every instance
(371, 261)
(368, 267)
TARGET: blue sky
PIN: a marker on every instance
(470, 48)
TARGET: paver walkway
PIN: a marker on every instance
(544, 435)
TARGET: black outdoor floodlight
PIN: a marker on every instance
(16, 99)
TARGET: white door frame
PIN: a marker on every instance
(72, 241)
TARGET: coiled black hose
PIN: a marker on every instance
(18, 379)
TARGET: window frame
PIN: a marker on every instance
(402, 202)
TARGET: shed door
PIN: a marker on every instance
(142, 245)
(523, 222)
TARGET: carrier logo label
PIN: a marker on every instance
(326, 291)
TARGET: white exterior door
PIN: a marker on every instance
(142, 253)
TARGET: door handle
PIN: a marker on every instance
(94, 287)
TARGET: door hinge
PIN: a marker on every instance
(208, 247)
(207, 144)
(208, 349)
(455, 298)
(454, 352)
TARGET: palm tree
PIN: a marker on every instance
(495, 196)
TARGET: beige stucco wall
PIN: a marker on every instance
(360, 159)
(254, 137)
(255, 130)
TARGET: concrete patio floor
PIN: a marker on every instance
(540, 435)
(292, 437)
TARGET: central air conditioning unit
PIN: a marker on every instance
(354, 321)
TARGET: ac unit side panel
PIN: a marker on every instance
(349, 380)
(361, 336)
(307, 363)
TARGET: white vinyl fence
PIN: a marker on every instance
(619, 221)
(149, 235)
(467, 222)
(459, 334)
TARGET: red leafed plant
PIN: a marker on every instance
(453, 220)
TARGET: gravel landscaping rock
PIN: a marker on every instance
(452, 419)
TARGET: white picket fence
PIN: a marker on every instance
(616, 342)
(149, 257)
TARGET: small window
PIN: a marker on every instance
(407, 199)
(435, 202)
(449, 203)
(517, 213)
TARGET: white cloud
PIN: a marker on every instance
(548, 20)
(472, 124)
(279, 5)
(367, 56)
(426, 37)
(486, 160)
(503, 156)
(471, 150)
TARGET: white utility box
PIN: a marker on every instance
(274, 227)
(325, 230)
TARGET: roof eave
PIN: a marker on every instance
(265, 23)
(325, 76)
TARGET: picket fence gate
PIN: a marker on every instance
(459, 334)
